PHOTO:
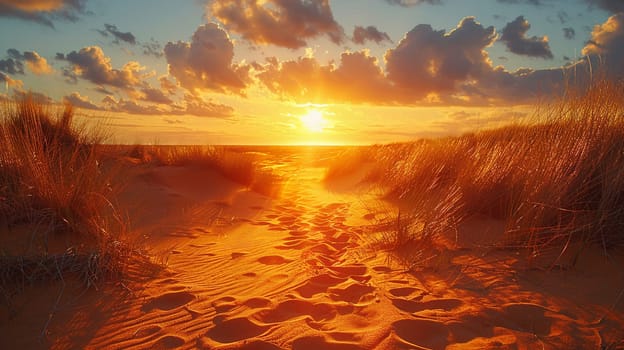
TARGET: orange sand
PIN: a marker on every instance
(245, 271)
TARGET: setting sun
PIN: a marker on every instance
(313, 120)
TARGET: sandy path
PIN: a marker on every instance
(292, 273)
(287, 277)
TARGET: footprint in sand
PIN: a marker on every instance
(326, 249)
(294, 226)
(327, 231)
(382, 269)
(339, 238)
(235, 329)
(294, 244)
(168, 342)
(168, 301)
(407, 291)
(326, 260)
(237, 255)
(412, 306)
(334, 206)
(298, 233)
(354, 293)
(318, 284)
(224, 304)
(273, 260)
(421, 333)
(257, 303)
(286, 221)
(526, 317)
(295, 308)
(349, 270)
(292, 238)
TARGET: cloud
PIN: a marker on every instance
(358, 78)
(91, 64)
(167, 85)
(431, 67)
(15, 63)
(427, 61)
(603, 54)
(408, 3)
(427, 67)
(131, 107)
(499, 86)
(152, 48)
(191, 105)
(149, 48)
(286, 23)
(514, 37)
(607, 45)
(569, 33)
(563, 17)
(77, 100)
(196, 106)
(11, 66)
(370, 33)
(43, 11)
(154, 95)
(38, 97)
(8, 82)
(34, 62)
(117, 35)
(173, 121)
(205, 63)
(613, 6)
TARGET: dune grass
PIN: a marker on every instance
(240, 167)
(555, 180)
(58, 189)
(57, 208)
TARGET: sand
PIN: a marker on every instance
(246, 271)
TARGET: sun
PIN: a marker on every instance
(313, 120)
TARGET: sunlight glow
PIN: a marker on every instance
(313, 120)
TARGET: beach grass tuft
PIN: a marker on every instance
(554, 180)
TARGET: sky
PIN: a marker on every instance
(303, 71)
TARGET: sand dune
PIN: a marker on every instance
(245, 271)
